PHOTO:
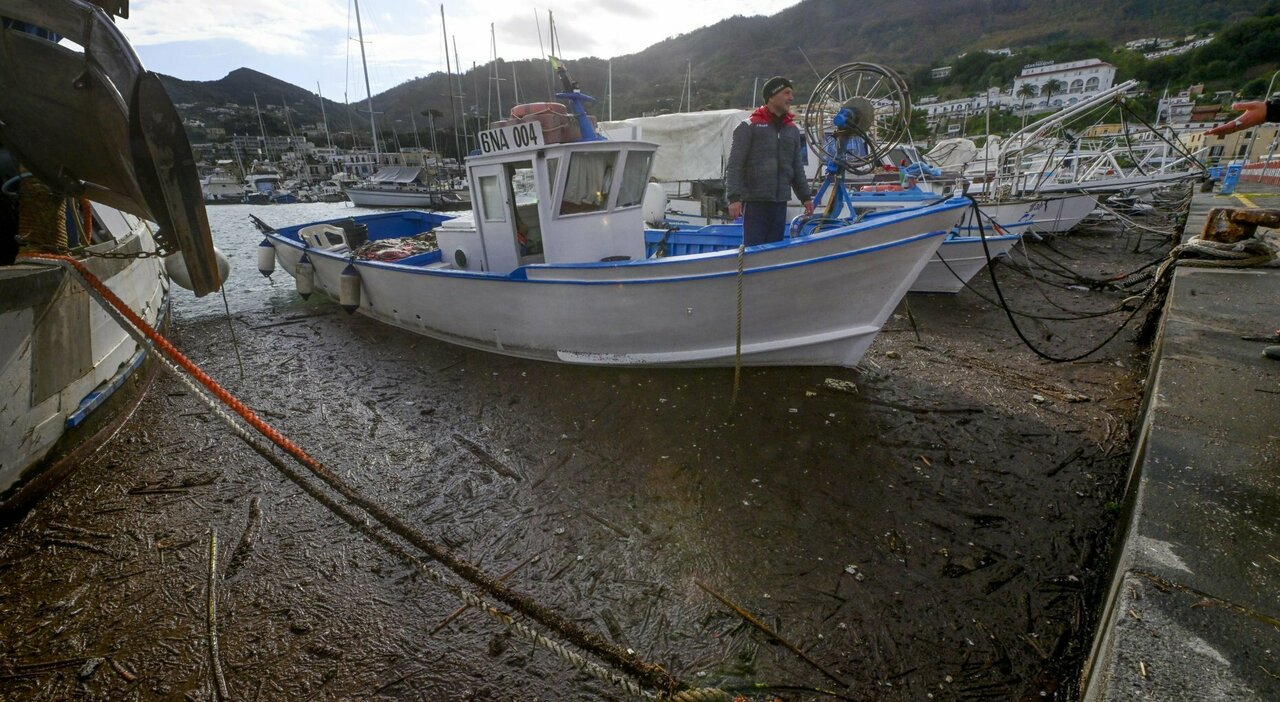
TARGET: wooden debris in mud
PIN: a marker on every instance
(486, 457)
(766, 630)
(211, 612)
(242, 550)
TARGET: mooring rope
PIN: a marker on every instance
(175, 361)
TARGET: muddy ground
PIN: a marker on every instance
(932, 525)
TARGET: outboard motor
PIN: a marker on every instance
(356, 233)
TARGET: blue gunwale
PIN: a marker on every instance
(286, 236)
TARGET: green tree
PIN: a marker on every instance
(1051, 86)
(1028, 90)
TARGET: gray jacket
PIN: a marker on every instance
(766, 162)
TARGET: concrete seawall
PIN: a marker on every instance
(1194, 607)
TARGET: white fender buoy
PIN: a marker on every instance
(266, 258)
(304, 276)
(349, 289)
(175, 265)
(654, 205)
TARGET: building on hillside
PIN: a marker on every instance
(953, 113)
(1079, 79)
(1176, 50)
(1000, 52)
(1175, 110)
(940, 72)
(1204, 113)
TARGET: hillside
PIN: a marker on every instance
(726, 59)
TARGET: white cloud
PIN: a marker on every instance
(404, 39)
(273, 27)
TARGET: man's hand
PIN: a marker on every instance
(735, 210)
(1255, 113)
(808, 207)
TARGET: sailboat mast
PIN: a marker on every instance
(262, 128)
(373, 125)
(414, 123)
(462, 103)
(497, 75)
(323, 116)
(287, 119)
(444, 32)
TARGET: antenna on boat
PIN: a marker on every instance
(574, 95)
(543, 50)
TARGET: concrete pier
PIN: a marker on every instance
(1194, 606)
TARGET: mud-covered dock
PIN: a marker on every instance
(933, 525)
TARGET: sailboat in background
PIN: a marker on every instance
(397, 186)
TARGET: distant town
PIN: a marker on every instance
(307, 165)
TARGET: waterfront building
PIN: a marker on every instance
(1079, 79)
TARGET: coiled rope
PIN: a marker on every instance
(651, 675)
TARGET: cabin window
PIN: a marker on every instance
(491, 199)
(589, 181)
(635, 175)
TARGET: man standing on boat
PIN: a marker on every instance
(765, 165)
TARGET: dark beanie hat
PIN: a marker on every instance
(774, 85)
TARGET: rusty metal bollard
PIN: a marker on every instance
(1227, 225)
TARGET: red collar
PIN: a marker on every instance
(762, 115)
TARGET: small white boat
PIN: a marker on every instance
(1041, 214)
(555, 263)
(403, 186)
(959, 259)
(963, 253)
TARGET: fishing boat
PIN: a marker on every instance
(84, 172)
(555, 262)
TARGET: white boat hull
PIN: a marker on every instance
(1051, 214)
(390, 198)
(406, 198)
(958, 260)
(60, 352)
(820, 301)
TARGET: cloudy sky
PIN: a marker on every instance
(305, 42)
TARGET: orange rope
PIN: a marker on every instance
(178, 357)
(626, 659)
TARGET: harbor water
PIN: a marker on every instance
(235, 235)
